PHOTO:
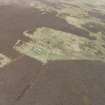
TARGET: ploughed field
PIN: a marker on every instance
(50, 55)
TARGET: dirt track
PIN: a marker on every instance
(28, 82)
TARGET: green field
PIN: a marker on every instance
(48, 44)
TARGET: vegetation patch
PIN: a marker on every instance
(48, 44)
(4, 60)
(76, 12)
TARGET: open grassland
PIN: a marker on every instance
(48, 44)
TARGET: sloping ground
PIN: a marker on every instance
(16, 78)
(27, 82)
(77, 83)
(14, 21)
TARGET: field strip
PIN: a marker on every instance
(6, 60)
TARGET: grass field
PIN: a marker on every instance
(48, 44)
